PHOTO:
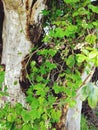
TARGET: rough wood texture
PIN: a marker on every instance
(16, 45)
(1, 26)
(34, 19)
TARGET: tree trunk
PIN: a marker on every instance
(74, 114)
(1, 27)
(19, 18)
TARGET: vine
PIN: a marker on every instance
(68, 48)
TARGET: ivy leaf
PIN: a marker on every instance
(93, 99)
(42, 125)
(34, 103)
(91, 38)
(58, 89)
(93, 54)
(27, 127)
(35, 114)
(55, 114)
(70, 30)
(93, 8)
(26, 116)
(81, 58)
(50, 65)
(59, 32)
(51, 99)
(91, 93)
(52, 52)
(9, 118)
(32, 64)
(86, 91)
(80, 11)
(95, 23)
(70, 61)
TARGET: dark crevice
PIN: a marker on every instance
(1, 27)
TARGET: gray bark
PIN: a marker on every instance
(15, 48)
(16, 42)
(74, 114)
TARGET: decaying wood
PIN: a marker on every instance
(62, 124)
(34, 19)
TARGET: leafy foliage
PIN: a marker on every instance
(55, 75)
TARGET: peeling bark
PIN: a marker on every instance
(34, 19)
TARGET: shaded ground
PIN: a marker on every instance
(91, 114)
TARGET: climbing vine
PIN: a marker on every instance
(67, 49)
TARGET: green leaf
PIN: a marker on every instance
(43, 52)
(93, 54)
(50, 65)
(58, 89)
(32, 64)
(27, 127)
(51, 99)
(93, 99)
(35, 114)
(52, 52)
(59, 32)
(39, 78)
(72, 103)
(89, 88)
(70, 61)
(80, 11)
(84, 93)
(26, 116)
(70, 30)
(91, 38)
(45, 12)
(35, 103)
(93, 8)
(71, 1)
(11, 117)
(81, 58)
(42, 126)
(41, 89)
(95, 23)
(55, 114)
(42, 70)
